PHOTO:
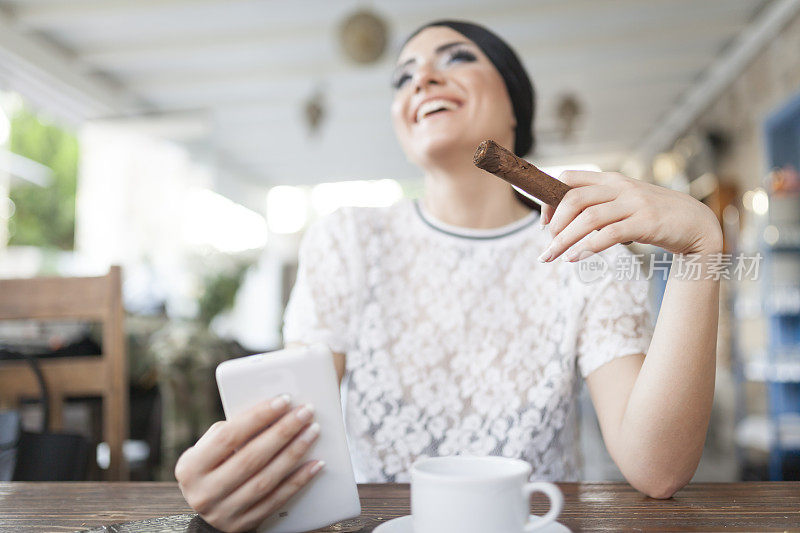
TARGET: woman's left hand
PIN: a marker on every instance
(622, 209)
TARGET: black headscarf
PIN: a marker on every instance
(519, 86)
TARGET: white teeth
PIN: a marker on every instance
(433, 105)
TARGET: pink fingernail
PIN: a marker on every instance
(306, 412)
(317, 467)
(311, 433)
(546, 255)
(581, 255)
(280, 402)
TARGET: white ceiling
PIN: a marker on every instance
(228, 77)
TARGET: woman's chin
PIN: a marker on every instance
(443, 145)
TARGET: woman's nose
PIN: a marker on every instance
(426, 75)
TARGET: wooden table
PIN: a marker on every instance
(588, 507)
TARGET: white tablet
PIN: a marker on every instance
(307, 375)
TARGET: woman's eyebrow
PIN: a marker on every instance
(447, 46)
(438, 50)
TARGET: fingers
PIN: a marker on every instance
(256, 462)
(216, 426)
(624, 230)
(547, 214)
(592, 218)
(268, 478)
(260, 451)
(278, 497)
(185, 468)
(213, 449)
(576, 200)
(580, 178)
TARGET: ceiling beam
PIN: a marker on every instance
(283, 147)
(730, 64)
(186, 127)
(609, 113)
(40, 16)
(276, 79)
(654, 35)
(176, 48)
(59, 78)
(575, 62)
(271, 96)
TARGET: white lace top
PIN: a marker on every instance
(458, 341)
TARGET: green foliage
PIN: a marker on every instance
(44, 216)
(219, 292)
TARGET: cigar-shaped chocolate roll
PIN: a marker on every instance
(504, 164)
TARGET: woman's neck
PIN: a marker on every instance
(464, 195)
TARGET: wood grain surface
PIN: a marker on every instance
(768, 506)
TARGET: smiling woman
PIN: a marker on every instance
(489, 70)
(450, 337)
(474, 44)
(476, 103)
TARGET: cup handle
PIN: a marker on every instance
(556, 503)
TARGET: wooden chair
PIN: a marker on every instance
(97, 299)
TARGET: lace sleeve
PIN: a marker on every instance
(616, 318)
(322, 300)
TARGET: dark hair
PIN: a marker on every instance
(519, 86)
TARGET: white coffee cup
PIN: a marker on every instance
(462, 494)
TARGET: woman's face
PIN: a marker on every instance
(448, 96)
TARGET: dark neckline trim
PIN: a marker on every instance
(432, 225)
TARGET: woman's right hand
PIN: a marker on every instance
(241, 471)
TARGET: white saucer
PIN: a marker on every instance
(404, 524)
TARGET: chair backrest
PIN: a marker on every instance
(91, 298)
(95, 299)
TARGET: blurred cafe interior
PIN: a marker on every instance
(160, 162)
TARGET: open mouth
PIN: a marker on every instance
(435, 107)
